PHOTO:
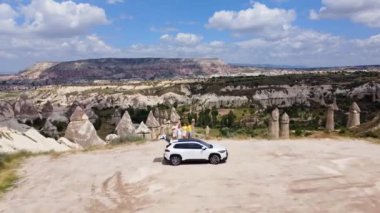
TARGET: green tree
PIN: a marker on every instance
(228, 120)
(214, 115)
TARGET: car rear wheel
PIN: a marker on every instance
(214, 159)
(175, 160)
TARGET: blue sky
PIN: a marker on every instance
(286, 32)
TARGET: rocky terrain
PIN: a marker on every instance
(304, 97)
(107, 70)
(238, 103)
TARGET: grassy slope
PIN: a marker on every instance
(8, 169)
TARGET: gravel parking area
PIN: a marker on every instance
(310, 175)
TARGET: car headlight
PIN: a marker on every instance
(222, 151)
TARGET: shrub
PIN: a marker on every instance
(299, 132)
(129, 138)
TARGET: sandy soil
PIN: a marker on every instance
(260, 176)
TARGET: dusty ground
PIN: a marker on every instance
(260, 176)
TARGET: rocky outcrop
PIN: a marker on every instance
(50, 130)
(125, 126)
(25, 110)
(116, 117)
(28, 139)
(91, 115)
(353, 116)
(111, 137)
(68, 143)
(81, 131)
(47, 109)
(274, 124)
(6, 111)
(157, 114)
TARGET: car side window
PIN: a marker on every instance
(180, 146)
(195, 146)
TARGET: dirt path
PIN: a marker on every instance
(260, 176)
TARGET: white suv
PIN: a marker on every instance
(194, 149)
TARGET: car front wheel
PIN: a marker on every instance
(175, 160)
(214, 159)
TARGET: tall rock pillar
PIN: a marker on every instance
(353, 116)
(274, 124)
(284, 129)
(330, 123)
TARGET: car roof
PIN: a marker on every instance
(189, 140)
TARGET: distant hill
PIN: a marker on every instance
(124, 68)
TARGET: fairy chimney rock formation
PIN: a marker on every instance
(125, 125)
(274, 124)
(153, 125)
(78, 115)
(81, 131)
(50, 130)
(151, 121)
(353, 116)
(174, 117)
(284, 130)
(330, 123)
(144, 131)
(157, 114)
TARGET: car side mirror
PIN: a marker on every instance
(204, 148)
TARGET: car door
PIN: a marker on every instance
(182, 149)
(195, 151)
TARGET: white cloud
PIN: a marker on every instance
(50, 30)
(7, 18)
(114, 1)
(57, 19)
(373, 41)
(359, 11)
(182, 38)
(259, 19)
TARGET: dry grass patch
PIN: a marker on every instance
(8, 169)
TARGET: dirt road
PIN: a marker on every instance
(260, 176)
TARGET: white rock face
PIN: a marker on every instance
(111, 137)
(35, 71)
(31, 140)
(68, 143)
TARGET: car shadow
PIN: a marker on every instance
(166, 163)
